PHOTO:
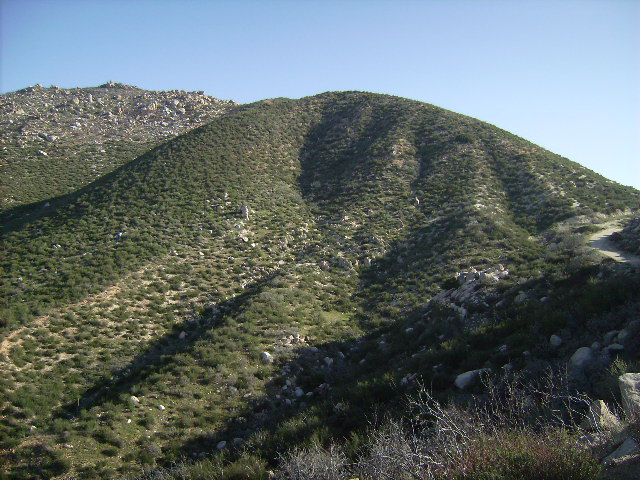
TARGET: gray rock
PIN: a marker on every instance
(328, 361)
(161, 408)
(299, 392)
(595, 346)
(614, 347)
(630, 392)
(521, 298)
(628, 447)
(581, 358)
(468, 379)
(182, 335)
(245, 212)
(221, 445)
(610, 336)
(266, 357)
(135, 400)
(555, 341)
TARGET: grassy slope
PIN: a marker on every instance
(327, 177)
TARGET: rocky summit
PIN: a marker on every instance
(75, 135)
(347, 285)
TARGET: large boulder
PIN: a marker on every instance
(630, 391)
(581, 358)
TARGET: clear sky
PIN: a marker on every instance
(563, 74)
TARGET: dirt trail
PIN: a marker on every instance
(601, 241)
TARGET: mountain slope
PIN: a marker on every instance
(56, 140)
(335, 217)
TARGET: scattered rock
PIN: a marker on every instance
(161, 408)
(266, 357)
(135, 400)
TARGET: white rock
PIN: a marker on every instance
(630, 391)
(266, 357)
(581, 358)
(135, 400)
(555, 341)
(161, 408)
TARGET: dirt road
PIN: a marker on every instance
(601, 241)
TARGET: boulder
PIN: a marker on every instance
(609, 337)
(599, 418)
(628, 447)
(135, 400)
(581, 358)
(521, 298)
(161, 408)
(555, 341)
(221, 445)
(630, 392)
(266, 357)
(468, 379)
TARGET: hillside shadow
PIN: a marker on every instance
(159, 354)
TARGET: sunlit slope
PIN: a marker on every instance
(375, 169)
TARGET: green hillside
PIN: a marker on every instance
(316, 230)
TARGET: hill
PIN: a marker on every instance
(56, 140)
(273, 277)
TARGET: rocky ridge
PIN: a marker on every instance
(44, 130)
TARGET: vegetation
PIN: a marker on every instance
(136, 310)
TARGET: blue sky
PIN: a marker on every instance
(563, 74)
